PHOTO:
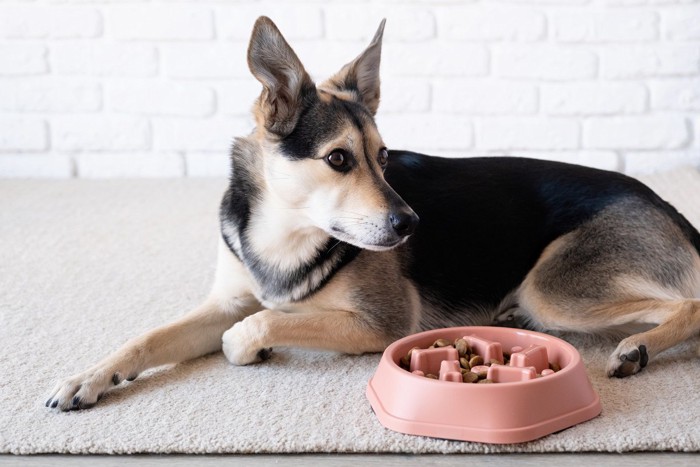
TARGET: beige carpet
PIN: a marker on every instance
(85, 265)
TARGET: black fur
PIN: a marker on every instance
(242, 190)
(320, 121)
(485, 221)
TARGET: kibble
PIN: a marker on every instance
(470, 377)
(442, 343)
(476, 360)
(472, 366)
(480, 371)
(462, 347)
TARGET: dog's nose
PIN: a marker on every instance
(404, 222)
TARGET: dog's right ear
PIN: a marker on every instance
(273, 62)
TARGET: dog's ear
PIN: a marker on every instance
(361, 76)
(273, 62)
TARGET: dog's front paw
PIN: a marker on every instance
(243, 344)
(84, 390)
(628, 359)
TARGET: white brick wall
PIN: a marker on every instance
(158, 88)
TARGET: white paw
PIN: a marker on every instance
(243, 344)
(84, 390)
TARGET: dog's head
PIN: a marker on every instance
(323, 155)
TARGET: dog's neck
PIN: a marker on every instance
(283, 235)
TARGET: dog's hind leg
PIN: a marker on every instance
(679, 321)
(628, 267)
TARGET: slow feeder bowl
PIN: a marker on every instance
(521, 407)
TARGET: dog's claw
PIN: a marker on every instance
(265, 354)
(84, 390)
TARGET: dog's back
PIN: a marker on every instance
(485, 222)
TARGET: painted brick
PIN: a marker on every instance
(637, 163)
(23, 134)
(130, 165)
(104, 59)
(484, 23)
(527, 133)
(169, 22)
(682, 23)
(593, 98)
(35, 166)
(206, 60)
(546, 62)
(405, 95)
(49, 22)
(100, 133)
(159, 98)
(676, 94)
(236, 97)
(199, 134)
(215, 164)
(404, 22)
(295, 21)
(426, 131)
(643, 132)
(582, 25)
(654, 60)
(484, 97)
(450, 69)
(324, 58)
(49, 95)
(22, 59)
(430, 59)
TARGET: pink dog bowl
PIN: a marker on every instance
(523, 403)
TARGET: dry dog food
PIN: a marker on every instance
(470, 360)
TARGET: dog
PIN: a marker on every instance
(321, 244)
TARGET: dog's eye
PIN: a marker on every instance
(383, 157)
(338, 160)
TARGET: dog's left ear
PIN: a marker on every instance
(361, 76)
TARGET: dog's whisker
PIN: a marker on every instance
(334, 245)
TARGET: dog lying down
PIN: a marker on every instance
(321, 244)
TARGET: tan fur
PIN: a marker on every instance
(328, 93)
(633, 300)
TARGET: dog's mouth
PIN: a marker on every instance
(388, 242)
